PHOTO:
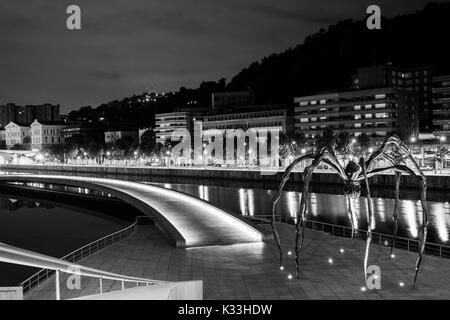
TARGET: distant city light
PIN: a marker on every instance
(442, 139)
(370, 150)
(330, 260)
(342, 250)
(401, 284)
(289, 253)
(413, 139)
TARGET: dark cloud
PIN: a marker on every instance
(126, 46)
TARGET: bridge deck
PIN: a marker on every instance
(186, 220)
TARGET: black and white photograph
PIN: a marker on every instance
(238, 151)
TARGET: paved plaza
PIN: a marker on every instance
(250, 271)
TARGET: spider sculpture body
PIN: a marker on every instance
(399, 160)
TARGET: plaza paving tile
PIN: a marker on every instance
(250, 271)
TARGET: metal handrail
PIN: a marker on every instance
(77, 255)
(411, 245)
(53, 266)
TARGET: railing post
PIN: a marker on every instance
(101, 285)
(123, 285)
(58, 289)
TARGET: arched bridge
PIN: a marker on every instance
(185, 220)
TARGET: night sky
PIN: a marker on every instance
(126, 46)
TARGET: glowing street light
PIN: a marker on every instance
(412, 139)
(303, 150)
(442, 138)
(370, 150)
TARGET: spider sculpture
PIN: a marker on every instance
(399, 160)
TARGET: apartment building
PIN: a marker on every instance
(113, 136)
(259, 118)
(417, 80)
(441, 103)
(375, 112)
(222, 100)
(166, 123)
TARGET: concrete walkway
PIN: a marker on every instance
(185, 220)
(330, 269)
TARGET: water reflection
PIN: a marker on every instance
(51, 228)
(330, 208)
(247, 202)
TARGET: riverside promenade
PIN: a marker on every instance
(330, 269)
(143, 173)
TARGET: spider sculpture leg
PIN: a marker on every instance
(277, 196)
(369, 217)
(395, 214)
(302, 215)
(325, 155)
(350, 217)
(423, 229)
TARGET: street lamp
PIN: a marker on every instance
(168, 158)
(442, 138)
(205, 159)
(412, 139)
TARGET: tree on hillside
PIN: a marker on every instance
(327, 138)
(148, 142)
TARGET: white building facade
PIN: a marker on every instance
(46, 133)
(17, 134)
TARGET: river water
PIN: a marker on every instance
(329, 208)
(55, 227)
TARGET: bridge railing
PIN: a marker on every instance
(52, 266)
(411, 245)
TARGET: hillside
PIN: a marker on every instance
(326, 59)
